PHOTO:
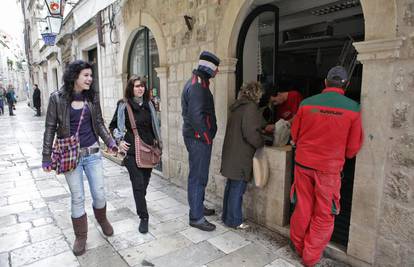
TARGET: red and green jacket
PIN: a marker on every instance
(326, 129)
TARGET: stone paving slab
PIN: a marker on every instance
(250, 255)
(95, 238)
(38, 251)
(44, 232)
(103, 256)
(66, 259)
(280, 263)
(16, 240)
(4, 259)
(195, 255)
(154, 249)
(36, 228)
(229, 242)
(196, 236)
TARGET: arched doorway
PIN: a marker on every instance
(287, 44)
(143, 60)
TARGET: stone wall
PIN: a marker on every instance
(182, 50)
(395, 242)
(382, 223)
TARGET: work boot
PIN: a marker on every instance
(204, 226)
(143, 226)
(80, 227)
(100, 215)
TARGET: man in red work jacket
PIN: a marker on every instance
(326, 129)
(285, 103)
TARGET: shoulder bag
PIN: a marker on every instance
(65, 151)
(146, 156)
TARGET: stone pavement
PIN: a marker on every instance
(35, 226)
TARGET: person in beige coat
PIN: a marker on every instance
(242, 138)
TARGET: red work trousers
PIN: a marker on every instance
(316, 196)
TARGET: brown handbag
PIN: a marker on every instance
(146, 156)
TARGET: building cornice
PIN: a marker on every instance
(383, 49)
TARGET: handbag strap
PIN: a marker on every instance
(131, 119)
(81, 117)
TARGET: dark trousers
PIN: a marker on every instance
(10, 108)
(37, 111)
(199, 155)
(232, 202)
(139, 179)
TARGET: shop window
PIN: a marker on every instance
(143, 59)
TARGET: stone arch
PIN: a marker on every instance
(381, 43)
(376, 12)
(131, 28)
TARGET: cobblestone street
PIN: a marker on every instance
(35, 226)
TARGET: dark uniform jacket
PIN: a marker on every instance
(198, 112)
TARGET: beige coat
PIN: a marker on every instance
(242, 139)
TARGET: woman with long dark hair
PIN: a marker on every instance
(75, 109)
(136, 95)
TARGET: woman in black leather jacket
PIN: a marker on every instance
(63, 118)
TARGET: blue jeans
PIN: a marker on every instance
(199, 155)
(232, 202)
(92, 166)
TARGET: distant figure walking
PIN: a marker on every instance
(36, 100)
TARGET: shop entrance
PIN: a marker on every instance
(293, 44)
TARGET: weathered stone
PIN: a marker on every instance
(387, 253)
(38, 251)
(398, 186)
(399, 115)
(195, 255)
(103, 256)
(12, 241)
(409, 14)
(403, 152)
(406, 254)
(201, 35)
(397, 223)
(186, 38)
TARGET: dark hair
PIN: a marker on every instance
(35, 84)
(71, 74)
(336, 83)
(129, 89)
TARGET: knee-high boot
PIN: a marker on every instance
(100, 215)
(80, 227)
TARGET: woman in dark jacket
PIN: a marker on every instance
(63, 118)
(240, 143)
(137, 97)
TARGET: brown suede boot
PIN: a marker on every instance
(80, 227)
(100, 215)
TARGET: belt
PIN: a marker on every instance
(86, 151)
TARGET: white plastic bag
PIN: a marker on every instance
(281, 133)
(260, 168)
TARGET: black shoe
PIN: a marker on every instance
(204, 226)
(208, 212)
(143, 226)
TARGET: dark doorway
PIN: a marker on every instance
(313, 36)
(93, 59)
(142, 61)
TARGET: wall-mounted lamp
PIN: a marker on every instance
(55, 7)
(189, 21)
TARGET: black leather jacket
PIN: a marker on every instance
(58, 121)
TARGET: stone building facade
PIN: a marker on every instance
(382, 220)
